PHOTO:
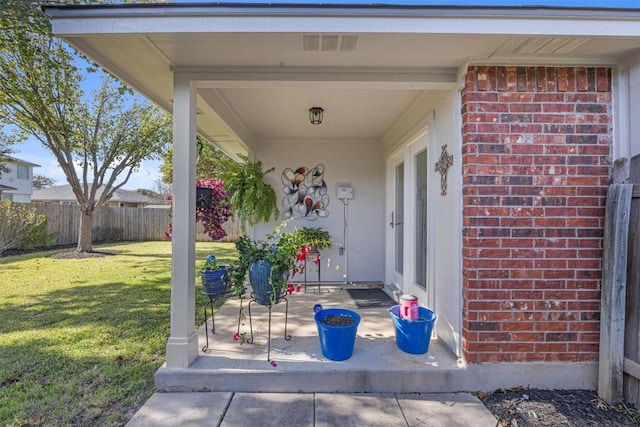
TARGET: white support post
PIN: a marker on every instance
(182, 347)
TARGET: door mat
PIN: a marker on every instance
(364, 298)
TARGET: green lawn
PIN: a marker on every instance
(80, 339)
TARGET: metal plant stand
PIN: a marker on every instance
(306, 261)
(269, 307)
(212, 299)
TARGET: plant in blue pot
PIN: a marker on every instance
(269, 263)
(215, 277)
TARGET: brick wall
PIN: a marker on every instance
(535, 159)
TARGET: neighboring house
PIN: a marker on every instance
(63, 194)
(16, 184)
(477, 141)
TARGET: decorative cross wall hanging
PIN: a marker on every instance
(442, 166)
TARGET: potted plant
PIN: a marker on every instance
(269, 263)
(316, 238)
(215, 277)
(252, 199)
(213, 208)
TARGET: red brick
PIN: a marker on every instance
(528, 336)
(518, 347)
(533, 210)
(551, 347)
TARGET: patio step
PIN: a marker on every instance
(376, 366)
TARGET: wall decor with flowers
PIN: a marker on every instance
(305, 193)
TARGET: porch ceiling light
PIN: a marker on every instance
(315, 115)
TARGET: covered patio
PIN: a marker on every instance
(523, 107)
(377, 364)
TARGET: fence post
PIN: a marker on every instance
(614, 280)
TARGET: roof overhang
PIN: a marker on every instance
(259, 67)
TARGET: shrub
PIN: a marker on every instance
(37, 236)
(20, 226)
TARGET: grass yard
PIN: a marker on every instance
(80, 339)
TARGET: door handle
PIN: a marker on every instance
(392, 223)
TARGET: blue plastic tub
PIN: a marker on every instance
(413, 336)
(337, 342)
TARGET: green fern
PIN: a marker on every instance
(252, 199)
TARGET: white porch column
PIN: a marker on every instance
(182, 347)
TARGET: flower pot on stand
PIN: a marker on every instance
(264, 294)
(337, 329)
(215, 282)
(413, 336)
(260, 279)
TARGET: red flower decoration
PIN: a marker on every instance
(298, 287)
(316, 260)
(290, 289)
(273, 363)
(236, 336)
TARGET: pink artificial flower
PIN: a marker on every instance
(236, 336)
(316, 260)
(273, 363)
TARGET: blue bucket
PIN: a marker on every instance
(413, 336)
(337, 342)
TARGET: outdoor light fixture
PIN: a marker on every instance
(315, 115)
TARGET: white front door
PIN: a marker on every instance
(407, 219)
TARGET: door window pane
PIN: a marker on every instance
(397, 219)
(421, 219)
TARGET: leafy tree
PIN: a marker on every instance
(211, 162)
(4, 151)
(41, 181)
(97, 144)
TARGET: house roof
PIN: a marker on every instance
(258, 67)
(6, 187)
(17, 160)
(65, 193)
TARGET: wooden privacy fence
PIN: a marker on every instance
(619, 365)
(118, 224)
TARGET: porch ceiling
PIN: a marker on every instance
(259, 83)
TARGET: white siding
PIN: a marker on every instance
(357, 163)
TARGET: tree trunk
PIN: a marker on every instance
(85, 237)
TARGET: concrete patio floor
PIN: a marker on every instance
(376, 366)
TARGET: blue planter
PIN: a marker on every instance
(215, 282)
(336, 342)
(413, 336)
(259, 277)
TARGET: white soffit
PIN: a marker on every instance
(259, 69)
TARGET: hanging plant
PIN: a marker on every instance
(212, 214)
(252, 199)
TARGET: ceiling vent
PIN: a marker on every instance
(329, 43)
